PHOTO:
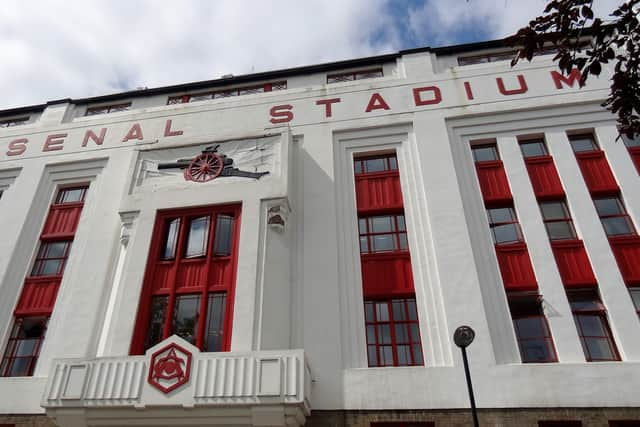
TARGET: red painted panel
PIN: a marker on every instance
(378, 191)
(191, 273)
(38, 296)
(493, 181)
(596, 172)
(544, 177)
(62, 220)
(573, 264)
(627, 252)
(221, 273)
(515, 267)
(162, 278)
(386, 274)
(635, 156)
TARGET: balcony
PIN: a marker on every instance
(175, 384)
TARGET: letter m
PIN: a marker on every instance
(569, 80)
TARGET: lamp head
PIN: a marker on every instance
(463, 336)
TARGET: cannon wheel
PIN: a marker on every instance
(204, 167)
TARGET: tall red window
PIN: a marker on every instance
(590, 317)
(40, 289)
(391, 319)
(532, 331)
(190, 279)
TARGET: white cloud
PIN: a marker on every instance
(78, 48)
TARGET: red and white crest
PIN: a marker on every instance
(170, 368)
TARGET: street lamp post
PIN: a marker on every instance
(463, 336)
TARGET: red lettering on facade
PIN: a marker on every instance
(91, 135)
(17, 147)
(569, 80)
(169, 132)
(467, 89)
(521, 81)
(327, 105)
(436, 95)
(134, 133)
(376, 102)
(281, 113)
(54, 142)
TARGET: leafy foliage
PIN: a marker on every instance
(586, 43)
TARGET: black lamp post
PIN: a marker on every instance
(463, 336)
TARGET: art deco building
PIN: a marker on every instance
(298, 246)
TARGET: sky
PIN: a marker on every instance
(54, 49)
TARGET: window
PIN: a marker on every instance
(190, 282)
(532, 331)
(384, 233)
(484, 153)
(375, 164)
(355, 75)
(635, 297)
(105, 109)
(557, 220)
(591, 321)
(227, 93)
(500, 56)
(504, 225)
(533, 148)
(71, 195)
(15, 121)
(583, 143)
(613, 216)
(630, 143)
(51, 258)
(393, 334)
(24, 344)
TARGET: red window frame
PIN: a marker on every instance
(393, 332)
(565, 219)
(227, 93)
(157, 321)
(622, 214)
(362, 164)
(18, 343)
(587, 307)
(350, 76)
(106, 109)
(526, 309)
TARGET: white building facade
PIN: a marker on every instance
(299, 246)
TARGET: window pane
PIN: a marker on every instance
(560, 230)
(404, 355)
(635, 142)
(635, 297)
(70, 195)
(156, 321)
(384, 242)
(411, 305)
(357, 166)
(506, 233)
(533, 149)
(49, 268)
(608, 206)
(387, 356)
(398, 310)
(20, 367)
(381, 224)
(26, 347)
(530, 327)
(169, 251)
(368, 312)
(198, 233)
(224, 235)
(215, 322)
(535, 351)
(403, 241)
(401, 224)
(364, 245)
(384, 334)
(417, 354)
(371, 334)
(373, 357)
(393, 163)
(583, 143)
(599, 349)
(56, 249)
(553, 210)
(483, 154)
(362, 225)
(401, 333)
(375, 165)
(185, 317)
(499, 215)
(382, 312)
(591, 325)
(617, 226)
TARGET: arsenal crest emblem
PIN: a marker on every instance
(170, 368)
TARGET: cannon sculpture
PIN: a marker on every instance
(208, 165)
